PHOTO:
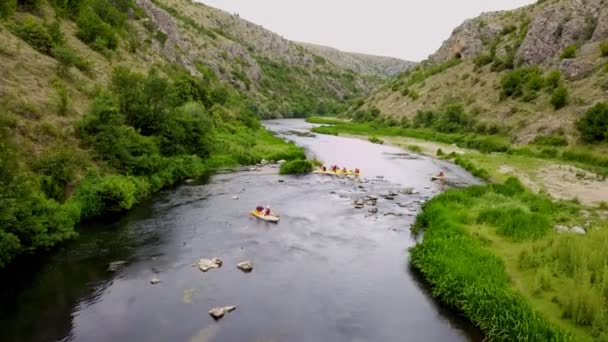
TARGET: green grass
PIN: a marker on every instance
(326, 120)
(298, 166)
(490, 251)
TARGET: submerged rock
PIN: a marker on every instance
(116, 265)
(219, 312)
(235, 197)
(407, 191)
(207, 264)
(373, 210)
(245, 266)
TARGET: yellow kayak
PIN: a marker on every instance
(269, 218)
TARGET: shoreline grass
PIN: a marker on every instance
(491, 252)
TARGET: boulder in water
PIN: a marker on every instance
(115, 265)
(235, 197)
(207, 264)
(373, 210)
(154, 281)
(219, 312)
(245, 266)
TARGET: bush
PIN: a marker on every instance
(93, 31)
(298, 166)
(559, 98)
(68, 58)
(604, 48)
(7, 8)
(553, 79)
(593, 126)
(550, 140)
(569, 52)
(57, 169)
(34, 33)
(375, 140)
(522, 82)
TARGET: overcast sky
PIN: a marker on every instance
(410, 30)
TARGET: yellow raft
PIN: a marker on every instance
(269, 218)
(337, 173)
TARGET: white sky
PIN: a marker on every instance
(406, 29)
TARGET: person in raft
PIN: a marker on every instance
(357, 171)
(324, 169)
(267, 211)
(441, 174)
(344, 170)
(334, 168)
(259, 209)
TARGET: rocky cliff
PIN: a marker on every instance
(470, 66)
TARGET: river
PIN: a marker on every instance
(326, 272)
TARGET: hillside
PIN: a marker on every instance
(378, 66)
(527, 72)
(104, 102)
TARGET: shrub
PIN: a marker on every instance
(416, 148)
(553, 79)
(68, 58)
(550, 140)
(569, 52)
(298, 166)
(57, 169)
(94, 31)
(604, 48)
(559, 98)
(522, 82)
(375, 140)
(593, 126)
(7, 8)
(35, 34)
(63, 98)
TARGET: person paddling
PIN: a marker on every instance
(267, 211)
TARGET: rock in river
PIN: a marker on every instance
(245, 266)
(207, 264)
(115, 265)
(373, 210)
(219, 312)
(154, 281)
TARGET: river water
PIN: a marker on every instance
(326, 272)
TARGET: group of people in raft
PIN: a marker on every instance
(336, 169)
(261, 211)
